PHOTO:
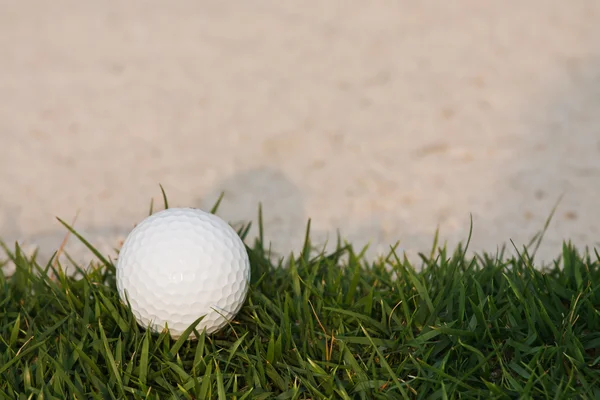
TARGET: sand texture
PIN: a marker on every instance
(383, 119)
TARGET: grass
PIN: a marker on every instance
(317, 326)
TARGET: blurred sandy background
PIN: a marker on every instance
(382, 119)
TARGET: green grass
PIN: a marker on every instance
(318, 326)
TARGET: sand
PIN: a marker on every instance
(384, 120)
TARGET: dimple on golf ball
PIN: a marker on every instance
(180, 264)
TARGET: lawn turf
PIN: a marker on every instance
(317, 326)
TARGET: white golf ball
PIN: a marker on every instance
(180, 264)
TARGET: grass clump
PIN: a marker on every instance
(317, 326)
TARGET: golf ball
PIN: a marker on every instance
(180, 264)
